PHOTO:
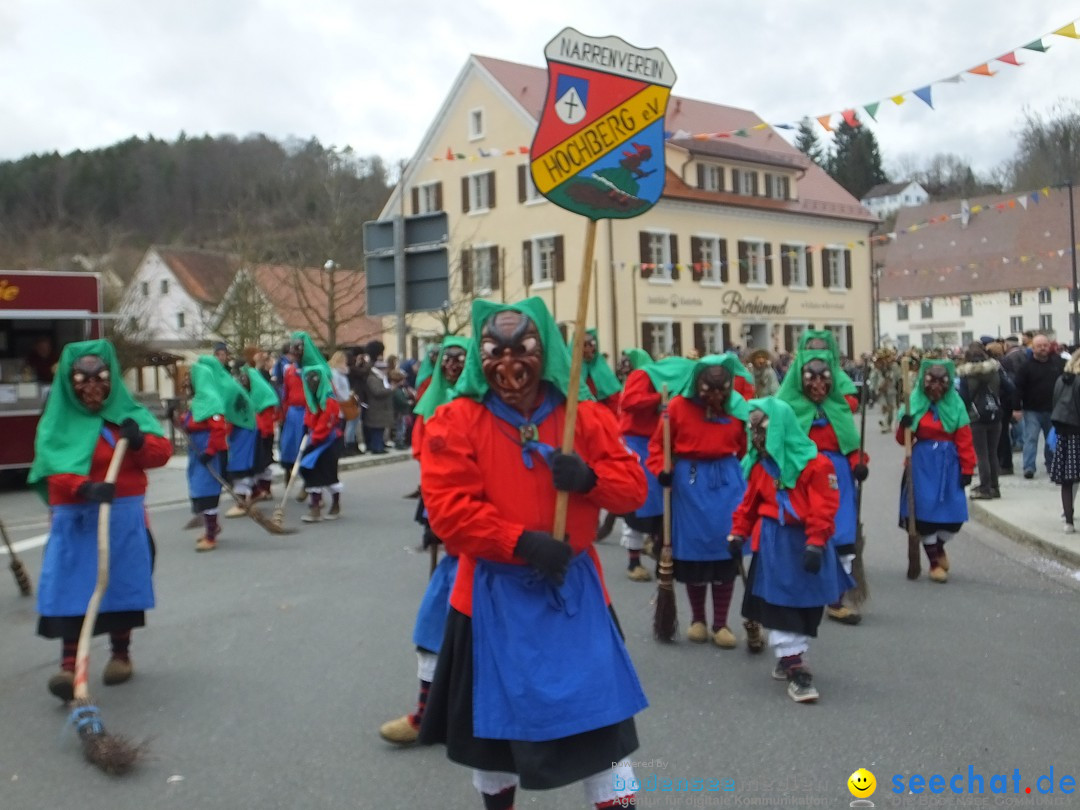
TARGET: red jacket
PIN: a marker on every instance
(929, 429)
(745, 387)
(694, 437)
(155, 452)
(611, 403)
(825, 437)
(815, 498)
(219, 431)
(265, 421)
(294, 387)
(639, 406)
(480, 495)
(324, 424)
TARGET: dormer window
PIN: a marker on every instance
(710, 177)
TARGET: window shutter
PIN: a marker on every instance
(560, 271)
(526, 262)
(753, 184)
(438, 196)
(673, 249)
(735, 180)
(700, 176)
(719, 178)
(696, 268)
(416, 200)
(466, 272)
(849, 341)
(768, 262)
(521, 182)
(789, 338)
(847, 269)
(645, 343)
(744, 263)
(809, 268)
(768, 184)
(722, 258)
(491, 189)
(493, 263)
(785, 265)
(787, 188)
(643, 254)
(676, 339)
(699, 338)
(725, 336)
(464, 195)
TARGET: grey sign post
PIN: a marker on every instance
(408, 268)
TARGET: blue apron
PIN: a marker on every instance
(547, 662)
(654, 502)
(307, 462)
(779, 577)
(292, 432)
(69, 564)
(704, 496)
(201, 484)
(846, 522)
(939, 498)
(242, 449)
(434, 607)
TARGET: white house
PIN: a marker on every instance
(886, 198)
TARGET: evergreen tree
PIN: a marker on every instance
(807, 142)
(855, 162)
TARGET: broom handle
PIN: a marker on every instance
(562, 498)
(862, 445)
(295, 470)
(666, 425)
(907, 457)
(82, 654)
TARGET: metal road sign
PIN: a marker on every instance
(407, 256)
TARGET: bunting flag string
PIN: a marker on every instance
(1022, 263)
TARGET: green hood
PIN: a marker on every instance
(427, 366)
(607, 384)
(671, 371)
(556, 371)
(637, 357)
(785, 441)
(262, 393)
(440, 391)
(736, 405)
(67, 432)
(317, 402)
(312, 355)
(836, 408)
(951, 409)
(841, 381)
(231, 396)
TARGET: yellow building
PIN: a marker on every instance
(750, 244)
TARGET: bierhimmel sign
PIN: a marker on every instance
(599, 147)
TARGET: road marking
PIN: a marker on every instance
(37, 541)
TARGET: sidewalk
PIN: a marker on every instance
(1030, 512)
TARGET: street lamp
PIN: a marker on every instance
(1072, 252)
(331, 316)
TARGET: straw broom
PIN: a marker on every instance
(666, 619)
(252, 511)
(279, 513)
(16, 566)
(114, 755)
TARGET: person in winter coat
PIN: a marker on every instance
(983, 385)
(1065, 417)
(378, 401)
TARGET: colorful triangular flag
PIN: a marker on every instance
(982, 70)
(1037, 45)
(824, 121)
(898, 100)
(924, 94)
(871, 109)
(1009, 59)
(952, 79)
(1068, 31)
(850, 119)
(1023, 202)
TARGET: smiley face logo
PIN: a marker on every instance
(862, 784)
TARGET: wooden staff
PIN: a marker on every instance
(562, 498)
(914, 567)
(666, 619)
(861, 592)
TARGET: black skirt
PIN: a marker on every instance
(1065, 464)
(264, 454)
(694, 572)
(325, 471)
(778, 617)
(70, 626)
(545, 765)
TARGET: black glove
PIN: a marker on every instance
(206, 458)
(734, 545)
(664, 478)
(571, 474)
(905, 421)
(811, 559)
(965, 480)
(129, 429)
(96, 491)
(860, 471)
(430, 538)
(544, 553)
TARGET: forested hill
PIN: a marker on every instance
(296, 202)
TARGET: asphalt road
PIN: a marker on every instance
(269, 664)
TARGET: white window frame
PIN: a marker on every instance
(1044, 295)
(746, 185)
(426, 197)
(717, 329)
(1016, 324)
(710, 261)
(798, 266)
(834, 269)
(1046, 322)
(661, 273)
(144, 288)
(775, 186)
(664, 327)
(970, 306)
(712, 177)
(540, 280)
(476, 123)
(922, 309)
(478, 192)
(906, 310)
(180, 320)
(1016, 298)
(532, 196)
(839, 333)
(164, 286)
(755, 257)
(481, 255)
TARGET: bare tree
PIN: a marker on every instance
(1048, 153)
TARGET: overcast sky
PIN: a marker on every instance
(80, 74)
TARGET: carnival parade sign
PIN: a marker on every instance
(599, 147)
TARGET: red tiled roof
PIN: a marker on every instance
(819, 194)
(301, 296)
(205, 275)
(948, 259)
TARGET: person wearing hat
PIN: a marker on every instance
(88, 410)
(766, 383)
(208, 440)
(602, 382)
(378, 400)
(319, 464)
(885, 381)
(534, 686)
(221, 352)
